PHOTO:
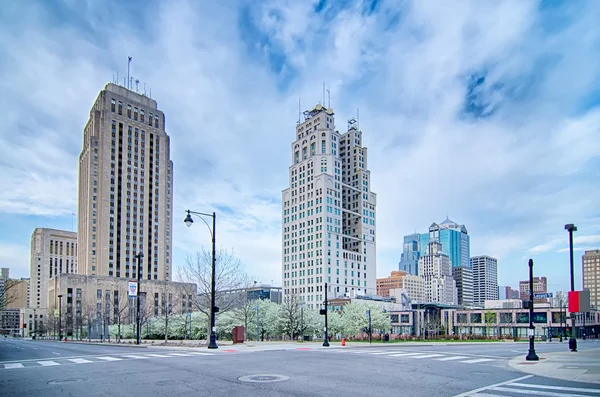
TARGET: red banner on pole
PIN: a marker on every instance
(574, 301)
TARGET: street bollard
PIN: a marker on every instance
(573, 344)
(343, 341)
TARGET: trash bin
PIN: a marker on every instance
(238, 334)
(573, 344)
(386, 337)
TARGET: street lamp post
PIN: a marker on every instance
(572, 228)
(138, 322)
(531, 356)
(213, 309)
(326, 339)
(59, 317)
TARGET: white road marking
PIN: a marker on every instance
(473, 392)
(107, 358)
(156, 355)
(133, 356)
(477, 360)
(451, 358)
(13, 365)
(79, 360)
(404, 354)
(180, 354)
(428, 356)
(47, 363)
(534, 392)
(58, 354)
(202, 354)
(578, 389)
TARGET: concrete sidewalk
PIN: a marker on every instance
(581, 366)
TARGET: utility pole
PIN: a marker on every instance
(326, 339)
(531, 355)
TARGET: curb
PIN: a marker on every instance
(555, 368)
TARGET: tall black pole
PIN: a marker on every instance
(137, 318)
(531, 356)
(326, 340)
(59, 317)
(573, 339)
(370, 329)
(213, 330)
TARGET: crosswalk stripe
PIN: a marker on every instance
(428, 356)
(156, 355)
(180, 354)
(376, 354)
(404, 354)
(108, 358)
(534, 392)
(450, 358)
(79, 360)
(133, 356)
(47, 363)
(13, 365)
(202, 354)
(563, 388)
(477, 360)
(364, 351)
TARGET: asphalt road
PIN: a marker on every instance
(45, 368)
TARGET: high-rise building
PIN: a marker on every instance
(411, 251)
(4, 273)
(506, 292)
(401, 280)
(454, 238)
(540, 284)
(463, 276)
(53, 252)
(435, 269)
(456, 243)
(590, 264)
(125, 188)
(328, 228)
(485, 279)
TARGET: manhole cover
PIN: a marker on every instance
(263, 378)
(63, 381)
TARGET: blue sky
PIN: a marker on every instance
(486, 111)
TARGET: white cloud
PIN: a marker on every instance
(16, 258)
(513, 177)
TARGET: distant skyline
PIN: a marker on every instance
(486, 112)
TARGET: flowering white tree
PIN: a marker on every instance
(355, 319)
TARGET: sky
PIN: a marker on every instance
(484, 111)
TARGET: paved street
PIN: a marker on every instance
(47, 368)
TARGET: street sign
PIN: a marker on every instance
(542, 295)
(132, 288)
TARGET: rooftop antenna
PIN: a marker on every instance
(131, 83)
(357, 119)
(113, 80)
(150, 93)
(137, 84)
(299, 109)
(323, 102)
(328, 97)
(124, 82)
(144, 89)
(117, 80)
(128, 63)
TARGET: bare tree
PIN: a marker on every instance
(88, 315)
(167, 306)
(229, 276)
(121, 303)
(7, 292)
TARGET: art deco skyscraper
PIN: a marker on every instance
(328, 213)
(125, 188)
